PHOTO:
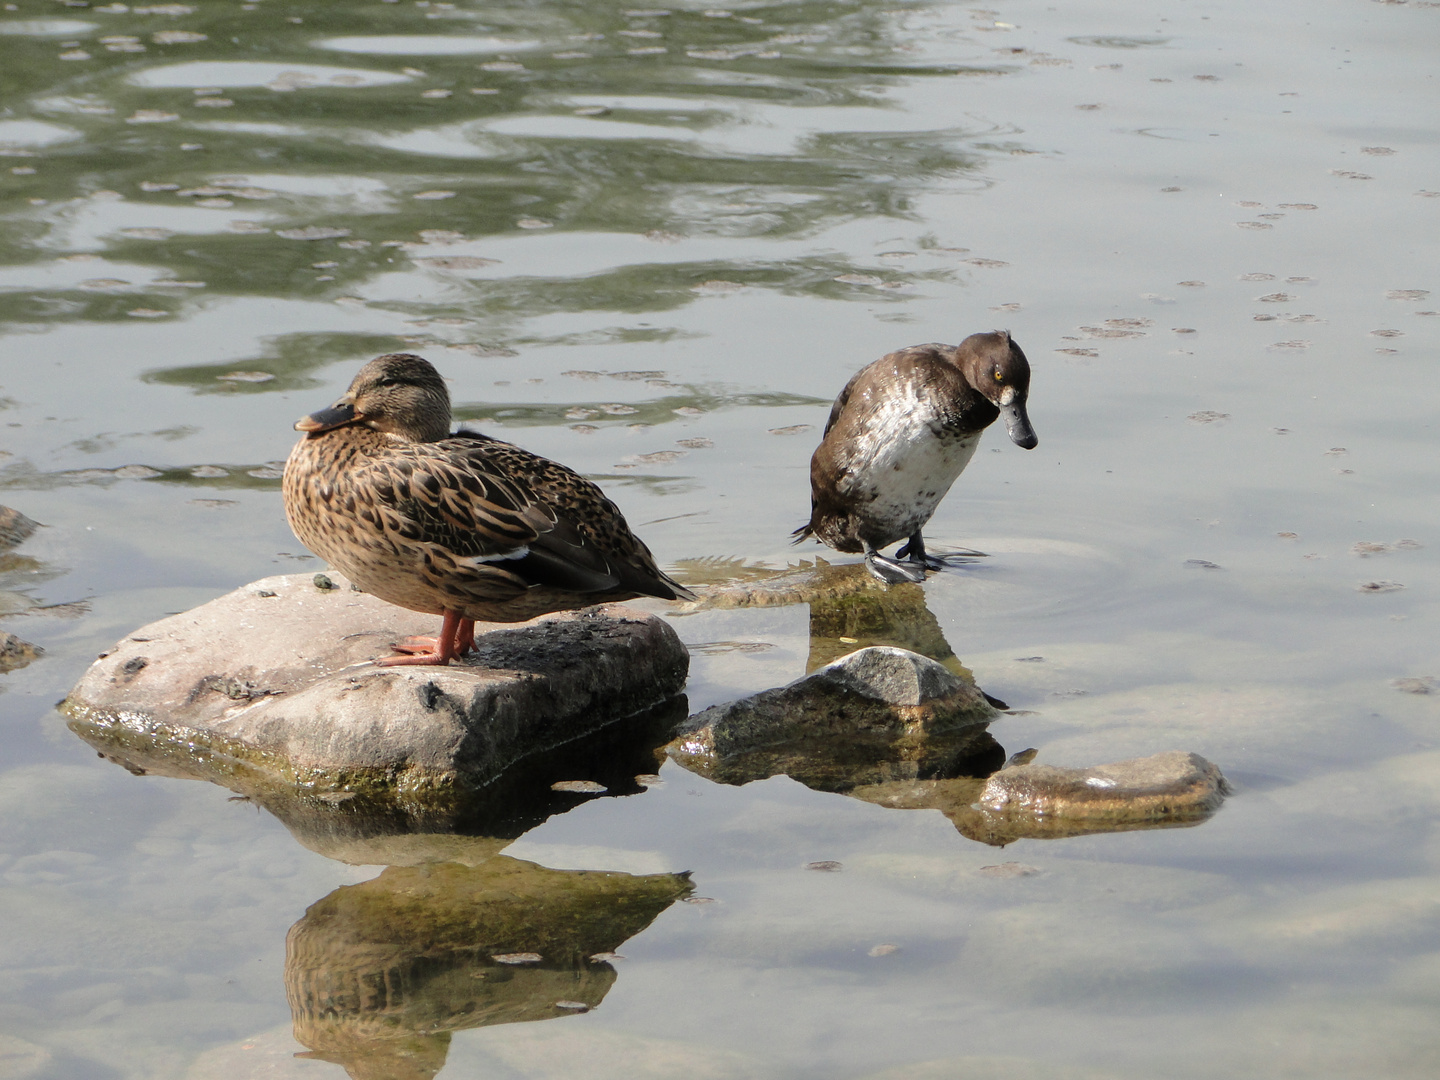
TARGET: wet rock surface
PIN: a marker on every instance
(16, 652)
(878, 714)
(272, 684)
(1175, 785)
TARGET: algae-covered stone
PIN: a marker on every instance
(16, 652)
(15, 527)
(378, 974)
(878, 714)
(1174, 784)
(274, 681)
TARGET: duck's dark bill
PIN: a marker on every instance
(325, 419)
(1017, 425)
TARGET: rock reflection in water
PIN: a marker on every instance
(905, 758)
(379, 974)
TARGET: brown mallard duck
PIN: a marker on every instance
(459, 525)
(899, 435)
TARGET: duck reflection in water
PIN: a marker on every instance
(378, 975)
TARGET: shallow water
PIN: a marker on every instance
(1213, 228)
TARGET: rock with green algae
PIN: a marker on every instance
(878, 714)
(273, 683)
(1173, 785)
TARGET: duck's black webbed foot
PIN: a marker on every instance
(914, 551)
(892, 572)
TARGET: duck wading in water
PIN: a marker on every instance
(458, 525)
(899, 434)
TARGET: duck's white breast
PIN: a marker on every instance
(903, 462)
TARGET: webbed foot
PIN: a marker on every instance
(892, 572)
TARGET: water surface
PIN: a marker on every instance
(653, 244)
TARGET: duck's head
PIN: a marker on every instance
(995, 366)
(398, 393)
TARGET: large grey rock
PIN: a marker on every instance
(273, 684)
(878, 714)
(1173, 785)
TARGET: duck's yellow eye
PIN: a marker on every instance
(999, 377)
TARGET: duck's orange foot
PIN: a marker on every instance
(429, 659)
(417, 645)
(457, 637)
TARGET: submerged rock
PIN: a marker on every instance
(1174, 784)
(272, 685)
(15, 527)
(16, 652)
(878, 714)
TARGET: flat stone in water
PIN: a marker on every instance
(1174, 784)
(273, 685)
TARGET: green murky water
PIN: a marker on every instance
(653, 244)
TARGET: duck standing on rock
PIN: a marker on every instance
(899, 434)
(458, 525)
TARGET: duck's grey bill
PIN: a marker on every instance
(325, 419)
(1017, 425)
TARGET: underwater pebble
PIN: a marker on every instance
(533, 223)
(1298, 343)
(715, 287)
(1424, 684)
(696, 444)
(829, 866)
(245, 376)
(1207, 416)
(1298, 206)
(1010, 870)
(1350, 174)
(1387, 333)
(517, 958)
(1407, 294)
(793, 429)
(1202, 564)
(313, 232)
(1380, 586)
(208, 472)
(1253, 225)
(884, 950)
(579, 787)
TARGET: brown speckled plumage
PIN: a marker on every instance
(459, 525)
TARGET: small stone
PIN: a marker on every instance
(1010, 870)
(323, 582)
(579, 787)
(1173, 785)
(15, 527)
(1424, 684)
(700, 900)
(15, 652)
(884, 950)
(516, 958)
(829, 866)
(572, 1006)
(604, 957)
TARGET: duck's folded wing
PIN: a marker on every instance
(495, 522)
